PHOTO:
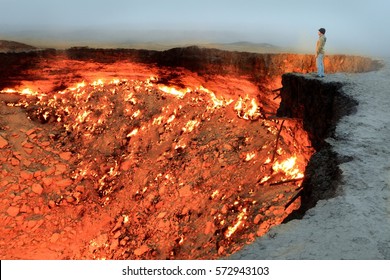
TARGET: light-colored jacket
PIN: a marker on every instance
(321, 45)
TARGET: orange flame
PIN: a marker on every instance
(289, 168)
(171, 90)
(133, 132)
(171, 118)
(8, 90)
(97, 83)
(217, 102)
(28, 91)
(214, 194)
(157, 120)
(253, 110)
(191, 125)
(250, 156)
(240, 220)
(247, 111)
(78, 86)
(265, 179)
(135, 114)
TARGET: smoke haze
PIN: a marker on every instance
(353, 27)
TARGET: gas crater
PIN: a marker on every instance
(133, 154)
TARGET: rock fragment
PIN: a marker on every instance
(13, 211)
(3, 143)
(66, 155)
(37, 188)
(141, 250)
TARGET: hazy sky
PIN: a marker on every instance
(352, 26)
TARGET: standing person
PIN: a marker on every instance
(320, 51)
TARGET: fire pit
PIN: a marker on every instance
(140, 157)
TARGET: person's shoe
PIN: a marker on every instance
(320, 76)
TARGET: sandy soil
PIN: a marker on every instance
(356, 223)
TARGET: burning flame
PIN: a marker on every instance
(78, 86)
(135, 114)
(247, 111)
(158, 120)
(82, 117)
(126, 219)
(250, 156)
(8, 90)
(28, 91)
(132, 133)
(92, 108)
(171, 118)
(181, 241)
(289, 168)
(214, 194)
(171, 90)
(97, 83)
(217, 102)
(265, 179)
(240, 220)
(191, 125)
(253, 110)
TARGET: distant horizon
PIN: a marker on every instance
(152, 39)
(106, 36)
(352, 27)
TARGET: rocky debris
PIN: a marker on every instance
(185, 206)
(157, 164)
